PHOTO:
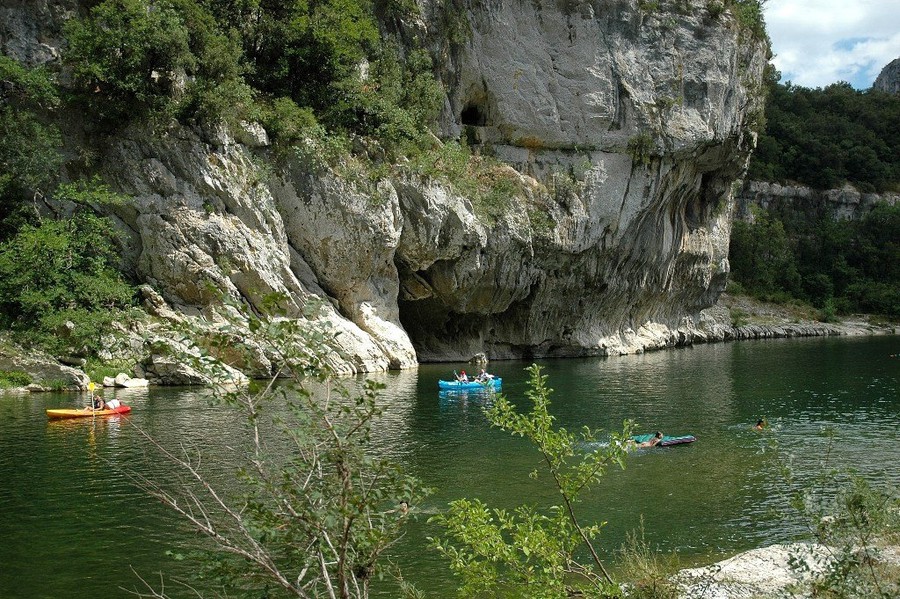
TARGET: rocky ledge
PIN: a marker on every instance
(766, 572)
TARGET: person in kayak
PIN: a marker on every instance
(657, 437)
(98, 403)
(483, 376)
(462, 377)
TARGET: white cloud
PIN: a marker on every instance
(819, 42)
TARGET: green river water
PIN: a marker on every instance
(72, 525)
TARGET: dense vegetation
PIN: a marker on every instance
(837, 266)
(291, 64)
(59, 285)
(827, 137)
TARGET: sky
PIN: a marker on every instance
(819, 42)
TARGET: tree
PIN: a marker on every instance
(763, 258)
(131, 58)
(827, 137)
(311, 512)
(29, 154)
(128, 55)
(528, 552)
(60, 271)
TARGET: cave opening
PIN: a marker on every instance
(473, 115)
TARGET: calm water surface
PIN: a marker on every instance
(72, 524)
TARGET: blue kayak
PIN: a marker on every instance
(666, 440)
(471, 385)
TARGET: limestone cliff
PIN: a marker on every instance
(845, 203)
(649, 111)
(626, 123)
(888, 79)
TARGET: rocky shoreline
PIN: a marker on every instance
(766, 572)
(733, 318)
(746, 318)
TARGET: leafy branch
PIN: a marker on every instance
(493, 549)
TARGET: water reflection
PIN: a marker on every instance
(66, 503)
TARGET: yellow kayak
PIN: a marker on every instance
(86, 412)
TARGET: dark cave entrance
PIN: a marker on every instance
(473, 115)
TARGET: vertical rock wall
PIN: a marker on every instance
(648, 113)
(625, 123)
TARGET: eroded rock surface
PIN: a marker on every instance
(625, 127)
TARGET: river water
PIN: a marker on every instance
(73, 525)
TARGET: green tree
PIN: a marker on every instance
(62, 271)
(763, 257)
(311, 511)
(29, 152)
(827, 137)
(529, 552)
(132, 58)
(128, 55)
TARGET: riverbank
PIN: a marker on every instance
(753, 319)
(732, 318)
(736, 318)
(784, 570)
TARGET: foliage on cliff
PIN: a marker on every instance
(838, 266)
(52, 272)
(61, 271)
(29, 154)
(232, 60)
(827, 137)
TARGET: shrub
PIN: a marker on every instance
(749, 14)
(127, 55)
(852, 520)
(649, 573)
(739, 318)
(288, 123)
(29, 154)
(640, 148)
(315, 517)
(530, 552)
(14, 378)
(59, 272)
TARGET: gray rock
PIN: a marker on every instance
(123, 380)
(624, 129)
(45, 372)
(764, 572)
(888, 79)
(845, 203)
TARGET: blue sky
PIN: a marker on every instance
(819, 42)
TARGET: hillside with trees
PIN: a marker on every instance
(292, 66)
(824, 138)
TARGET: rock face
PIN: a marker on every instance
(45, 372)
(845, 203)
(764, 572)
(645, 115)
(888, 79)
(626, 126)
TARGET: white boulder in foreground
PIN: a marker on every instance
(763, 572)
